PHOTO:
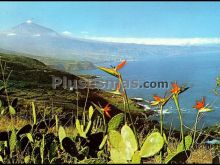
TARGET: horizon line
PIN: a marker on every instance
(159, 41)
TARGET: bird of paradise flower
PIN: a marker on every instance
(114, 71)
(201, 108)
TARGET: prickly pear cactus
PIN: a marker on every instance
(152, 145)
(115, 122)
(124, 147)
(136, 158)
(80, 128)
(117, 147)
(129, 140)
(62, 135)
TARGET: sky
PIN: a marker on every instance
(138, 22)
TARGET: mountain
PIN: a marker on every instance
(32, 29)
(37, 40)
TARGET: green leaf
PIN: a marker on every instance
(152, 145)
(27, 159)
(116, 140)
(205, 109)
(42, 150)
(12, 110)
(115, 122)
(34, 113)
(98, 108)
(110, 71)
(2, 110)
(0, 103)
(57, 123)
(79, 128)
(117, 156)
(53, 151)
(88, 127)
(130, 141)
(29, 136)
(62, 135)
(1, 160)
(177, 157)
(180, 152)
(136, 158)
(165, 138)
(12, 141)
(104, 140)
(117, 147)
(91, 111)
(188, 143)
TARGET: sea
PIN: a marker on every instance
(199, 72)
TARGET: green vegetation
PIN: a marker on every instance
(42, 125)
(66, 65)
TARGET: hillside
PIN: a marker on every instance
(31, 80)
(66, 65)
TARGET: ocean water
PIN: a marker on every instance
(198, 72)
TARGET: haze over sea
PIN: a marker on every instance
(197, 71)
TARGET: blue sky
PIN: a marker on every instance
(118, 19)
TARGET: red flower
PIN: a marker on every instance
(113, 71)
(176, 89)
(106, 110)
(157, 98)
(200, 104)
(121, 64)
(159, 101)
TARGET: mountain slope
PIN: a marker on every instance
(37, 40)
(31, 80)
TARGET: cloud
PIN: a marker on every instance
(11, 34)
(160, 41)
(67, 33)
(29, 21)
(36, 35)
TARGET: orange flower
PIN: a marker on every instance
(158, 100)
(113, 71)
(176, 89)
(200, 104)
(121, 64)
(106, 110)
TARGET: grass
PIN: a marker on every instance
(17, 122)
(202, 155)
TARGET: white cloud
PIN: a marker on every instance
(11, 34)
(67, 33)
(160, 41)
(36, 35)
(29, 21)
